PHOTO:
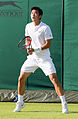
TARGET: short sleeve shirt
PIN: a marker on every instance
(39, 34)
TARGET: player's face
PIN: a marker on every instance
(35, 15)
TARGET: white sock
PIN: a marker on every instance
(63, 101)
(20, 98)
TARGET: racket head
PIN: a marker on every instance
(25, 43)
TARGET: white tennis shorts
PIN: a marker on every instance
(31, 64)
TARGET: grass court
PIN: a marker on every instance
(38, 111)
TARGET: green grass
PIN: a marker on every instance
(37, 111)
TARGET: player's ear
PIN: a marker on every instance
(40, 16)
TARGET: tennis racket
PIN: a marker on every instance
(25, 43)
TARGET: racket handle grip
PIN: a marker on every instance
(36, 50)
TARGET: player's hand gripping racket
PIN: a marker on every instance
(25, 43)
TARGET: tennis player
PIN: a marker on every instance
(41, 38)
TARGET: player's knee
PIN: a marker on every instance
(21, 78)
(53, 78)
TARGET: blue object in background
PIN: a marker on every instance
(16, 99)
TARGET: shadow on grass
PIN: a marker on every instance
(73, 112)
(41, 111)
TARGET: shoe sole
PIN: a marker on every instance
(65, 112)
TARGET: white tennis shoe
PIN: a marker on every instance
(64, 108)
(19, 106)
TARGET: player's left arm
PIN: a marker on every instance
(46, 45)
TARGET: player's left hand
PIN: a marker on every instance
(30, 51)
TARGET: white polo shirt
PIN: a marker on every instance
(39, 34)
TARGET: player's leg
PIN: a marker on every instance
(59, 91)
(21, 82)
(56, 84)
(49, 69)
(27, 68)
(21, 85)
(21, 89)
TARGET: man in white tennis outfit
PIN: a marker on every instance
(41, 39)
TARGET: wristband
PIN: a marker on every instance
(38, 49)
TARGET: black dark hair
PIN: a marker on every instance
(38, 9)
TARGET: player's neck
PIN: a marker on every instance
(36, 23)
